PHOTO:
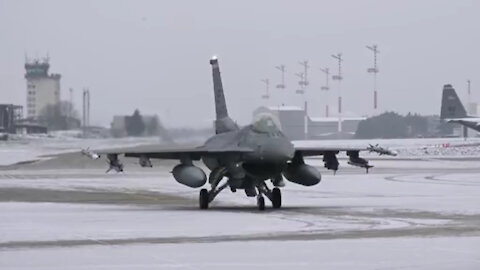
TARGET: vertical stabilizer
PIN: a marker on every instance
(223, 123)
(452, 107)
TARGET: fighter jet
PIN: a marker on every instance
(246, 158)
(452, 109)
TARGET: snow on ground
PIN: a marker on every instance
(59, 221)
(339, 203)
(37, 147)
(407, 214)
(379, 253)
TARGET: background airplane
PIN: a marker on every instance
(247, 157)
(452, 109)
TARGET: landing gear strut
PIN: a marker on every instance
(206, 196)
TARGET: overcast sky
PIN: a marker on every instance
(153, 55)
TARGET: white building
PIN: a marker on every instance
(42, 88)
(292, 122)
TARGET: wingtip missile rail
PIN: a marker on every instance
(88, 153)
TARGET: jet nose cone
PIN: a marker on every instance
(279, 150)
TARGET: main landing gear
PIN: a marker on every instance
(274, 195)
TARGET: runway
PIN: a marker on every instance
(406, 214)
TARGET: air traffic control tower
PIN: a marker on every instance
(42, 88)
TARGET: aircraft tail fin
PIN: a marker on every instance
(223, 123)
(452, 107)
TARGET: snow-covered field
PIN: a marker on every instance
(39, 147)
(392, 221)
(407, 214)
(444, 253)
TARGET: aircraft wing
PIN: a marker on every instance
(466, 119)
(329, 154)
(472, 123)
(162, 152)
(321, 150)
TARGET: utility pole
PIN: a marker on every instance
(266, 96)
(469, 84)
(301, 76)
(71, 104)
(303, 79)
(339, 78)
(305, 66)
(282, 85)
(325, 88)
(282, 70)
(374, 70)
(86, 110)
(303, 86)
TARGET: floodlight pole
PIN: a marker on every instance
(303, 84)
(339, 78)
(282, 70)
(71, 104)
(266, 96)
(374, 70)
(469, 92)
(325, 88)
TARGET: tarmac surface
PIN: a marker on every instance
(421, 199)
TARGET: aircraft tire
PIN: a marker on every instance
(261, 203)
(203, 198)
(276, 198)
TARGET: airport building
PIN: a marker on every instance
(42, 88)
(9, 114)
(297, 125)
(12, 121)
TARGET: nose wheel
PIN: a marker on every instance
(276, 198)
(260, 202)
(204, 199)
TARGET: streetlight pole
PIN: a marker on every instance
(325, 88)
(339, 78)
(303, 84)
(282, 70)
(374, 70)
(266, 96)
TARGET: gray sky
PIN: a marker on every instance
(153, 55)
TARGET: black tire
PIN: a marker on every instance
(276, 198)
(203, 199)
(261, 203)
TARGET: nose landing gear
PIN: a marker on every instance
(276, 198)
(260, 202)
(204, 198)
(274, 195)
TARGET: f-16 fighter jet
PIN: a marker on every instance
(246, 158)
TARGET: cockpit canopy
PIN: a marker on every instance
(267, 123)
